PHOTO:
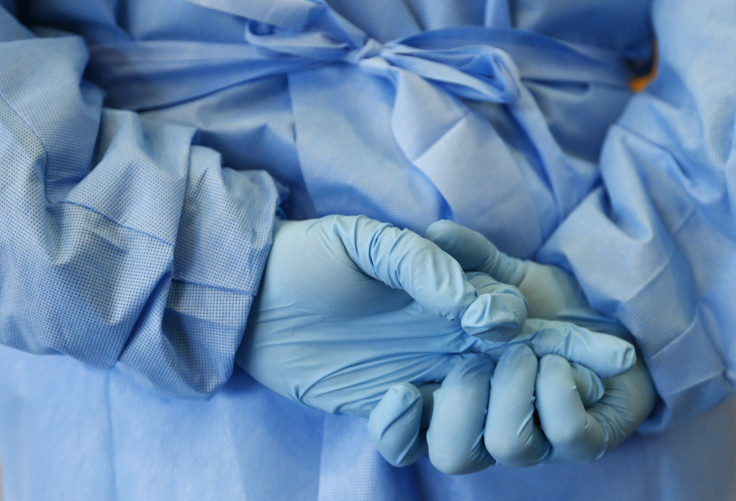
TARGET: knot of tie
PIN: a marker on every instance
(474, 71)
(371, 48)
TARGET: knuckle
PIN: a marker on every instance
(448, 463)
(508, 448)
(565, 435)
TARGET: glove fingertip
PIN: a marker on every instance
(495, 317)
(438, 229)
(399, 400)
(629, 358)
(623, 361)
(469, 247)
(394, 425)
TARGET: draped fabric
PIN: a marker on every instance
(655, 245)
(327, 58)
(499, 115)
(123, 242)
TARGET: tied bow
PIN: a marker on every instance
(471, 71)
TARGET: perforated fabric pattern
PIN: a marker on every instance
(121, 240)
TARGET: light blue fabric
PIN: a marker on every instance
(103, 437)
(122, 242)
(375, 138)
(411, 149)
(655, 246)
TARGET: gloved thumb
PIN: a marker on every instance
(549, 290)
(404, 260)
(398, 424)
(475, 252)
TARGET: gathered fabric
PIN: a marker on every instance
(158, 138)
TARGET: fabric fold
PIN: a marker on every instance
(433, 76)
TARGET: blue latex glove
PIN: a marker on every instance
(448, 421)
(349, 307)
(574, 433)
(579, 433)
(580, 422)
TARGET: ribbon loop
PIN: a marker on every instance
(482, 64)
(480, 73)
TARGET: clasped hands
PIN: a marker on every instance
(429, 339)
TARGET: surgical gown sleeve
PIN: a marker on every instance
(656, 245)
(122, 241)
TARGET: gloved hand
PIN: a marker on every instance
(349, 307)
(581, 433)
(578, 425)
(448, 421)
(580, 421)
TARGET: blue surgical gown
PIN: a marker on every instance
(146, 147)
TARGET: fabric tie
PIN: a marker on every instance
(431, 73)
(471, 71)
(478, 63)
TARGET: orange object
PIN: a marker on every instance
(639, 83)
